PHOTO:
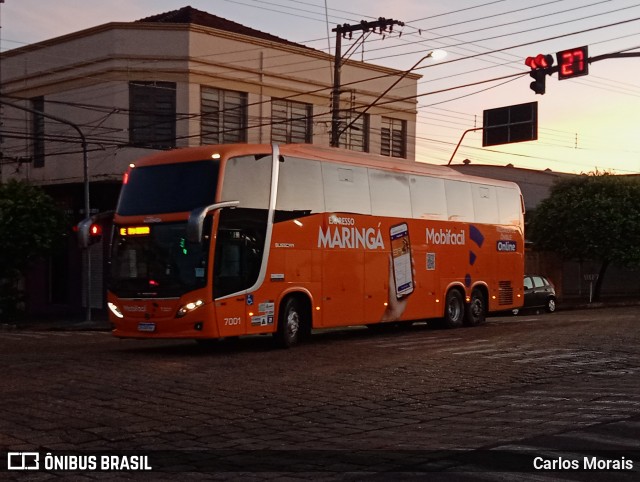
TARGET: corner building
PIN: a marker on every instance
(177, 79)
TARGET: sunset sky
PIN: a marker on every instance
(585, 123)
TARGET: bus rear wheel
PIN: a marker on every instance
(476, 309)
(290, 324)
(454, 309)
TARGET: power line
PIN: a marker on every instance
(425, 94)
(495, 37)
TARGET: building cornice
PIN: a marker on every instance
(194, 28)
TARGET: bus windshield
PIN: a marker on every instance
(157, 261)
(168, 188)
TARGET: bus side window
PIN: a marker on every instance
(390, 194)
(428, 199)
(459, 201)
(485, 204)
(346, 190)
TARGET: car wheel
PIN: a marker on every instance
(551, 305)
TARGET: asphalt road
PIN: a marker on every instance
(533, 397)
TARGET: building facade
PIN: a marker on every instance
(78, 109)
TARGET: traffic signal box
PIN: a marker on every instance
(89, 232)
(541, 66)
(571, 63)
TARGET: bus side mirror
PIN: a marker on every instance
(196, 219)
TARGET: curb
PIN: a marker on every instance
(57, 326)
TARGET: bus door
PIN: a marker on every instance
(236, 267)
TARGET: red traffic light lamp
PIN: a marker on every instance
(89, 232)
(95, 231)
(540, 61)
(541, 66)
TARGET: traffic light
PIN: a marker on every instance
(95, 233)
(89, 232)
(540, 67)
(539, 83)
(573, 62)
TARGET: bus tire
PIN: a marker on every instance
(290, 323)
(454, 309)
(476, 309)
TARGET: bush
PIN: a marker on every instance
(30, 226)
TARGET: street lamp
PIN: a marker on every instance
(434, 54)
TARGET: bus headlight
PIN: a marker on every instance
(188, 308)
(115, 310)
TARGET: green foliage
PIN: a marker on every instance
(593, 217)
(30, 225)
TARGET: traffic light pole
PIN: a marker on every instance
(619, 55)
(483, 128)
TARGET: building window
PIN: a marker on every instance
(356, 135)
(152, 117)
(224, 116)
(37, 127)
(291, 121)
(393, 141)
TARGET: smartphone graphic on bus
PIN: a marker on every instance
(401, 259)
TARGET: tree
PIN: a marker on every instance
(30, 226)
(591, 217)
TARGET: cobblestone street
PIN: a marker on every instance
(348, 404)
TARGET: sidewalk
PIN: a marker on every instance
(580, 304)
(57, 325)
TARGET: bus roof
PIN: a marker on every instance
(309, 151)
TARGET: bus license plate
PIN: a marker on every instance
(147, 327)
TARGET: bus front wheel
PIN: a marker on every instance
(454, 309)
(289, 323)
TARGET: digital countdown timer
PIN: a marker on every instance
(573, 63)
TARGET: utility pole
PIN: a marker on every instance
(341, 32)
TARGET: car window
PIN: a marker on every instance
(528, 284)
(537, 282)
(545, 281)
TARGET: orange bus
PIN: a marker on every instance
(229, 240)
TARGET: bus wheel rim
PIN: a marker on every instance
(293, 322)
